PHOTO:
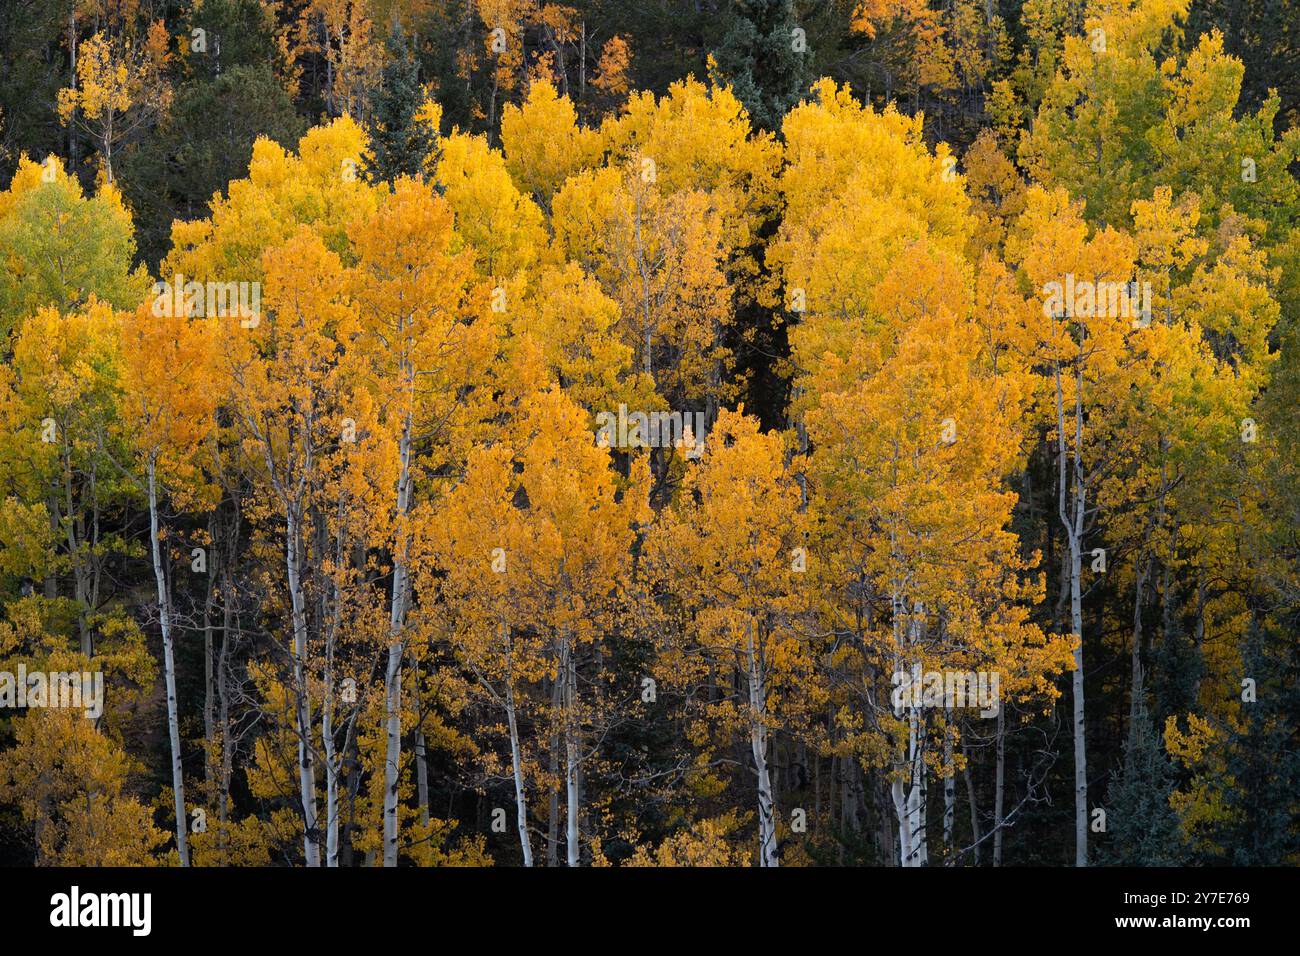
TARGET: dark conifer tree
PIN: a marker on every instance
(400, 145)
(1262, 823)
(1142, 828)
(764, 57)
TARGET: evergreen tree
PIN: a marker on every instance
(175, 174)
(1261, 826)
(1178, 667)
(765, 59)
(400, 144)
(1142, 828)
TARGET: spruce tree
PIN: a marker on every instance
(1261, 825)
(1142, 828)
(765, 59)
(399, 143)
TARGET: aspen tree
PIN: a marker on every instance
(410, 292)
(170, 401)
(732, 537)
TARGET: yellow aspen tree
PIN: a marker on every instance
(503, 226)
(910, 465)
(570, 570)
(908, 391)
(1082, 340)
(699, 137)
(60, 246)
(66, 772)
(471, 534)
(63, 409)
(342, 34)
(544, 144)
(320, 186)
(565, 314)
(660, 257)
(120, 85)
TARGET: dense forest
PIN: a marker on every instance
(649, 432)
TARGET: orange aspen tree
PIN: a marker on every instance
(571, 568)
(169, 400)
(288, 401)
(733, 553)
(493, 640)
(411, 294)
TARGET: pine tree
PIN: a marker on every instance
(1143, 829)
(765, 59)
(399, 142)
(1263, 764)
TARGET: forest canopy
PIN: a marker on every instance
(648, 433)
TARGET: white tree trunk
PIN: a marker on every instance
(516, 764)
(910, 795)
(302, 709)
(393, 749)
(1073, 487)
(331, 782)
(571, 755)
(169, 671)
(767, 850)
(1080, 742)
(396, 647)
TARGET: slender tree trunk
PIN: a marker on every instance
(169, 670)
(397, 622)
(553, 809)
(330, 702)
(970, 800)
(1080, 743)
(393, 751)
(999, 786)
(210, 768)
(302, 710)
(1135, 662)
(209, 696)
(1199, 632)
(74, 146)
(571, 756)
(76, 538)
(767, 851)
(516, 766)
(910, 797)
(331, 775)
(421, 763)
(1072, 487)
(949, 791)
(223, 707)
